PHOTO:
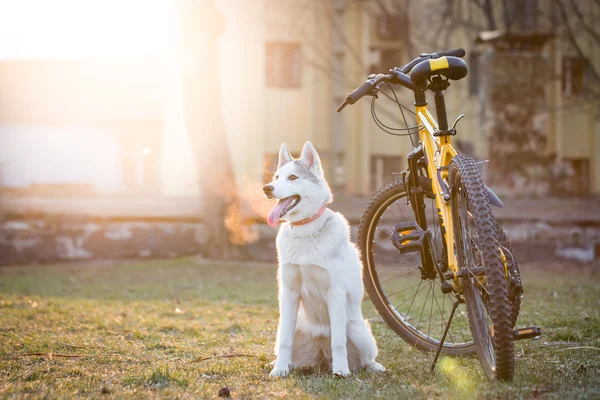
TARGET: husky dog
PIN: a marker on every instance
(320, 275)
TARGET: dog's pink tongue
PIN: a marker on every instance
(276, 211)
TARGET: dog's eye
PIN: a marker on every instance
(292, 177)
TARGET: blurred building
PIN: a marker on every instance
(529, 99)
(77, 126)
(285, 67)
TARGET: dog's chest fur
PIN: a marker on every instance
(312, 284)
(310, 259)
(308, 245)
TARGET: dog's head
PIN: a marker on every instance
(298, 186)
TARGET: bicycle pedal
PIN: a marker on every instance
(446, 287)
(408, 237)
(527, 333)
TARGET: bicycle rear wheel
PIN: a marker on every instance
(515, 287)
(484, 281)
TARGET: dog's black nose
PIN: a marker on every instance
(268, 189)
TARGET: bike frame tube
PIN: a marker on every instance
(442, 148)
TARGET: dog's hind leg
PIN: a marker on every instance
(362, 350)
(306, 351)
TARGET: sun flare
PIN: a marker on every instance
(80, 29)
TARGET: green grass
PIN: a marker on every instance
(137, 327)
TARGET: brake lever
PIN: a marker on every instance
(342, 106)
(461, 116)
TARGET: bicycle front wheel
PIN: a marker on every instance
(483, 276)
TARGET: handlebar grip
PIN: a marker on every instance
(360, 91)
(453, 53)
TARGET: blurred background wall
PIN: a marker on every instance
(94, 125)
(90, 92)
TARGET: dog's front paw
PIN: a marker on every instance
(376, 367)
(279, 372)
(341, 373)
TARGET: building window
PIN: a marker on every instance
(383, 170)
(579, 184)
(284, 65)
(573, 76)
(530, 15)
(474, 72)
(520, 14)
(339, 5)
(569, 176)
(140, 168)
(392, 26)
(385, 59)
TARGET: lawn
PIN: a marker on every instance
(140, 330)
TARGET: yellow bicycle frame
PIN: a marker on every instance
(438, 152)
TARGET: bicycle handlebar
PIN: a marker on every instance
(396, 75)
(453, 53)
(364, 89)
(360, 91)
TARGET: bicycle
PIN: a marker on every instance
(459, 250)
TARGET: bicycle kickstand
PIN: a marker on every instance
(458, 301)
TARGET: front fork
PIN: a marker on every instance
(418, 186)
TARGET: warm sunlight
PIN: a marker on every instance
(461, 379)
(80, 29)
(257, 198)
(128, 55)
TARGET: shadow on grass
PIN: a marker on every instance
(181, 278)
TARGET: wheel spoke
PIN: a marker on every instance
(408, 298)
(424, 305)
(402, 290)
(413, 300)
(466, 323)
(395, 259)
(395, 217)
(400, 208)
(443, 325)
(399, 276)
(431, 309)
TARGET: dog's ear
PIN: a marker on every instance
(284, 156)
(311, 159)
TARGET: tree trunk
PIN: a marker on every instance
(201, 27)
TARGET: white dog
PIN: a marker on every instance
(320, 275)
